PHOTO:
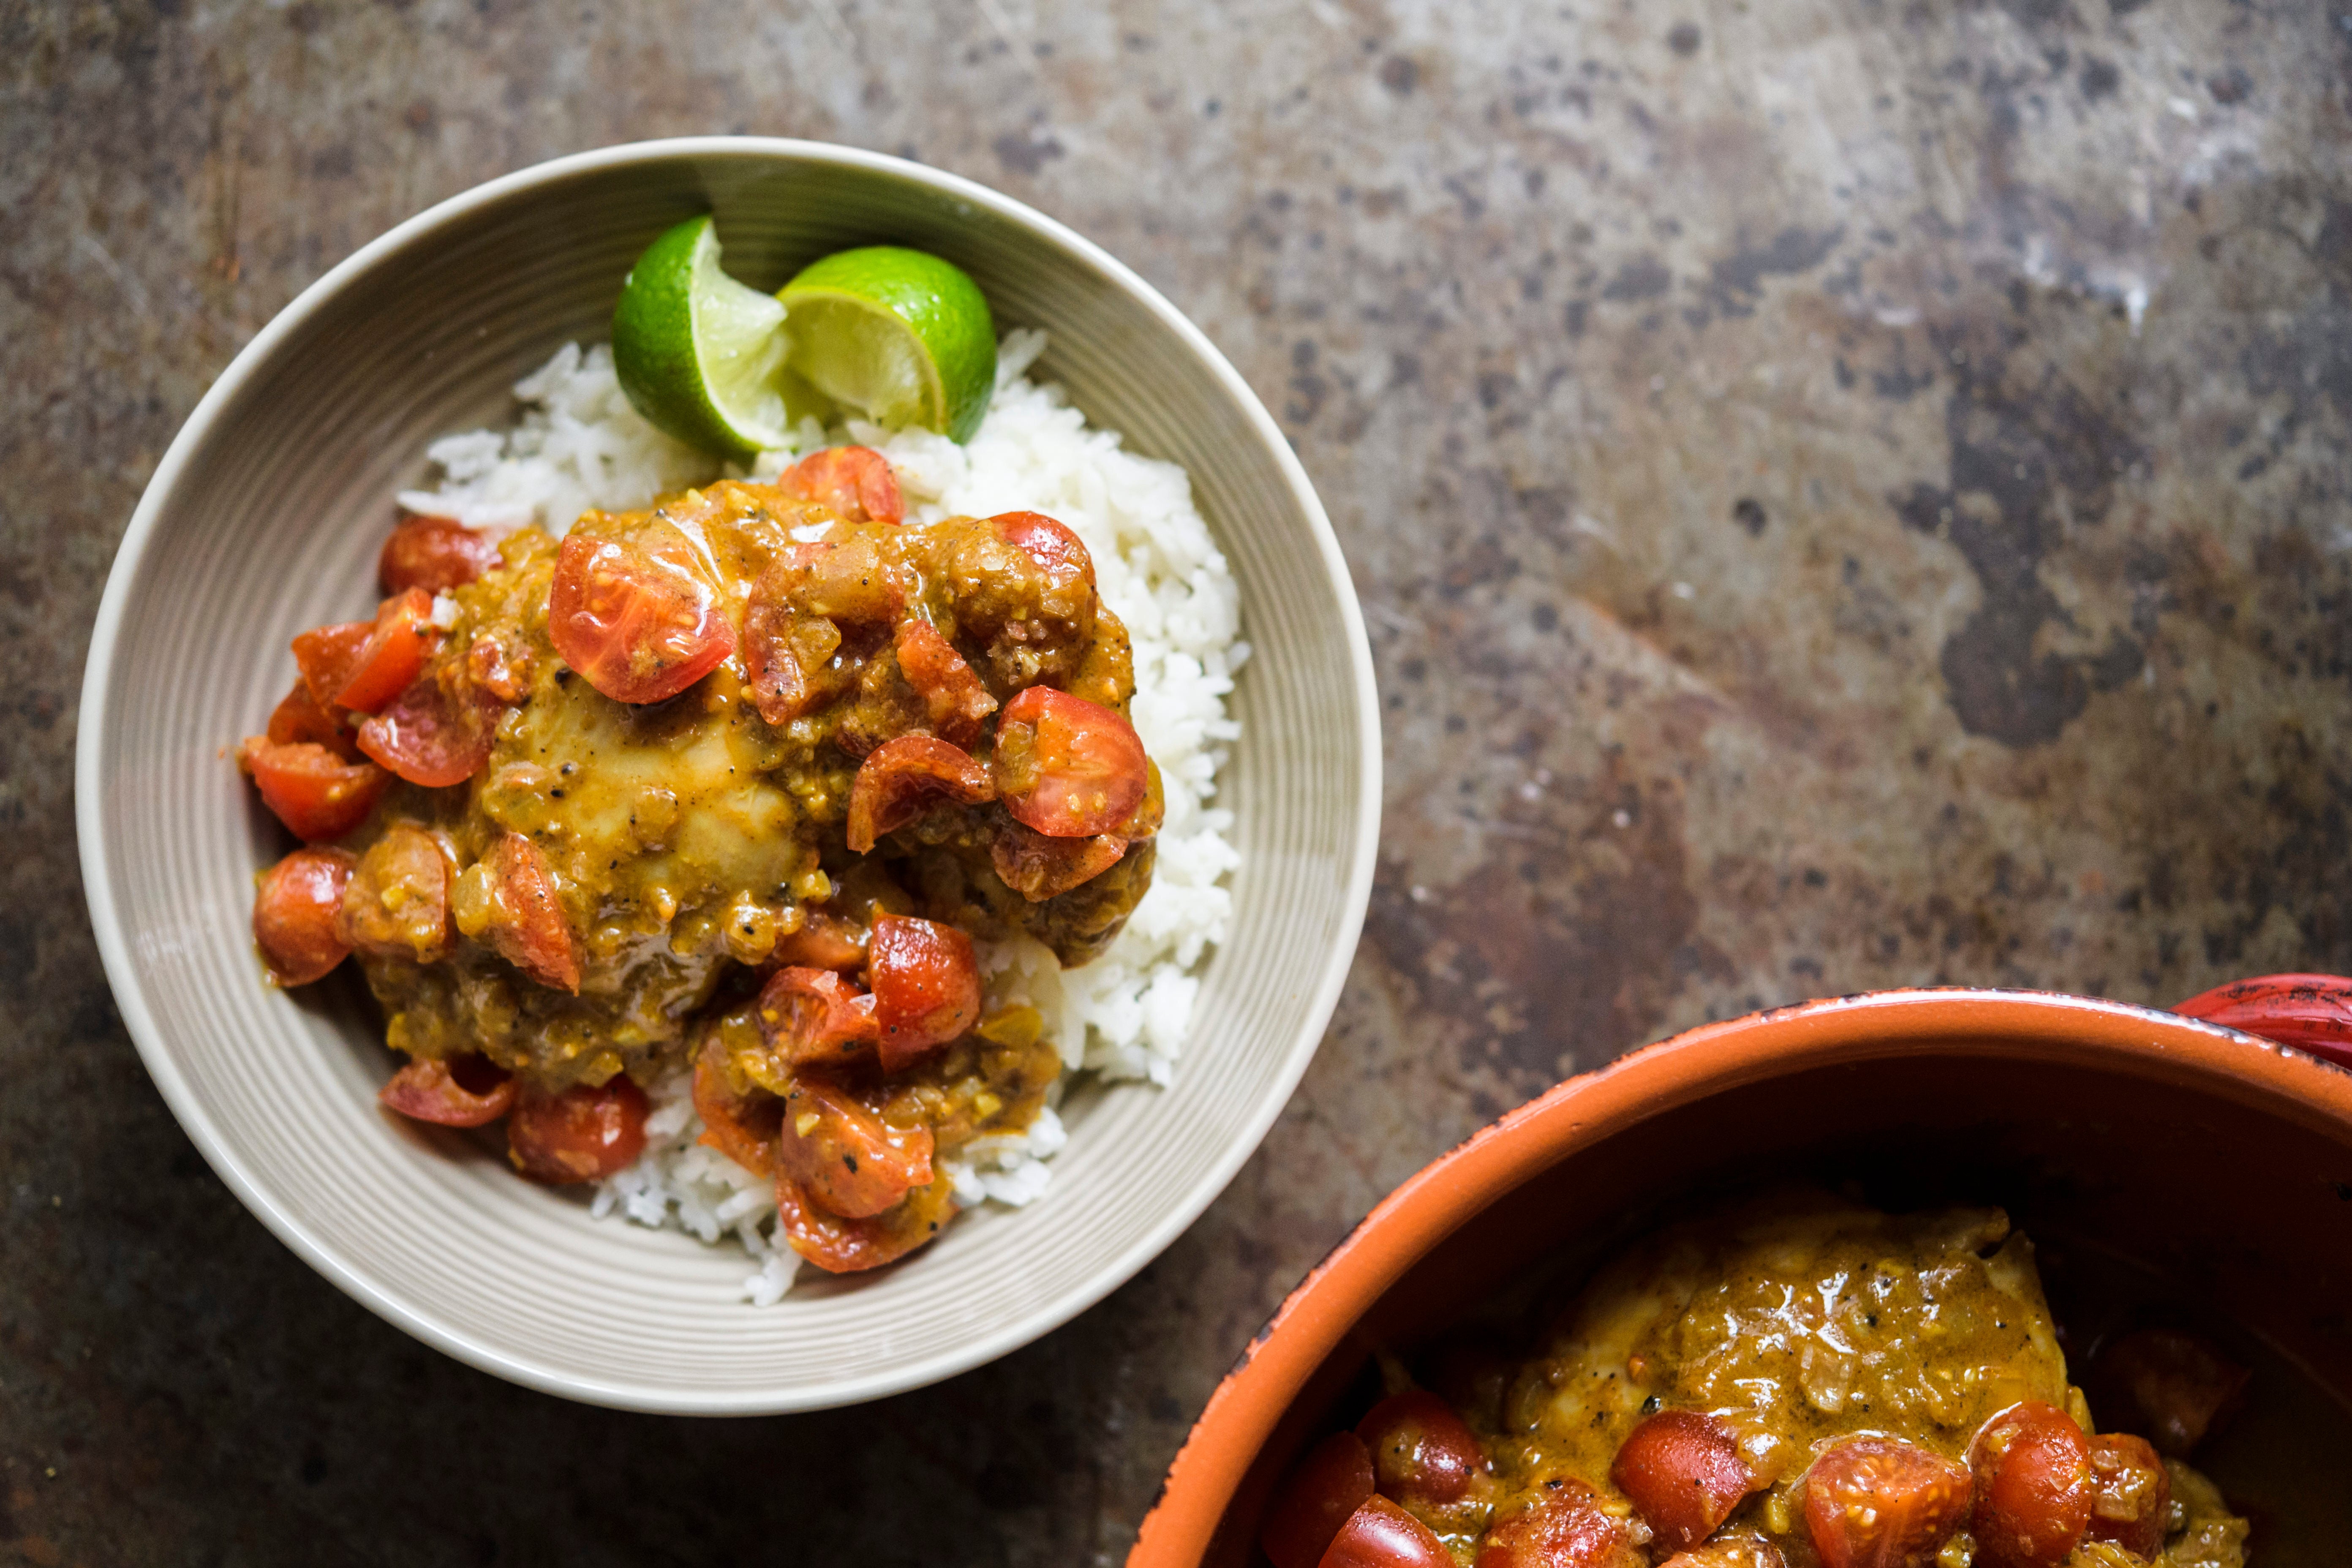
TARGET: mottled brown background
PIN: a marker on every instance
(1844, 493)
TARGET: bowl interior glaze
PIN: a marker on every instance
(265, 518)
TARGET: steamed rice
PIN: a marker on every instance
(577, 444)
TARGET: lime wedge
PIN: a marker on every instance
(700, 355)
(896, 335)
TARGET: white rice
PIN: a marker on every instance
(577, 444)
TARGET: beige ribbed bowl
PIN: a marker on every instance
(265, 518)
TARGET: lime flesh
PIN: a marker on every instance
(899, 336)
(700, 355)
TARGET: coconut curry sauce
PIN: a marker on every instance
(733, 780)
(1795, 1382)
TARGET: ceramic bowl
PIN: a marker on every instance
(2170, 1161)
(265, 517)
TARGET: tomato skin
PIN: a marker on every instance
(431, 737)
(315, 794)
(398, 644)
(814, 1016)
(637, 618)
(854, 481)
(952, 695)
(2032, 1470)
(519, 915)
(841, 1246)
(847, 1160)
(2131, 1493)
(1067, 767)
(1567, 1529)
(294, 911)
(434, 553)
(1318, 1497)
(824, 941)
(1420, 1450)
(396, 904)
(903, 778)
(1038, 868)
(328, 655)
(926, 984)
(582, 1134)
(436, 1091)
(743, 1127)
(1880, 1503)
(1685, 1473)
(299, 719)
(1057, 551)
(1380, 1534)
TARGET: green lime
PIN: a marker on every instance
(700, 355)
(896, 335)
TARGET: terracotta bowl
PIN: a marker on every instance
(263, 517)
(2165, 1161)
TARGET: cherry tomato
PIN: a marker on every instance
(854, 481)
(1067, 767)
(1567, 1529)
(300, 719)
(328, 655)
(1683, 1472)
(952, 695)
(1380, 1534)
(1051, 545)
(294, 914)
(2171, 1385)
(524, 921)
(396, 649)
(841, 1246)
(903, 778)
(1329, 1485)
(1880, 1503)
(432, 737)
(2032, 1470)
(313, 791)
(813, 1015)
(1730, 1551)
(434, 553)
(847, 1160)
(396, 904)
(466, 1091)
(582, 1134)
(2131, 1494)
(926, 983)
(740, 1126)
(825, 942)
(637, 619)
(1038, 868)
(1420, 1450)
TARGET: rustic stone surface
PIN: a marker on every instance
(1844, 493)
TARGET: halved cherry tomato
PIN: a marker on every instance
(1067, 767)
(740, 1126)
(824, 941)
(901, 779)
(854, 481)
(1380, 1534)
(2032, 1470)
(847, 1160)
(396, 904)
(1685, 1473)
(1038, 868)
(582, 1134)
(466, 1091)
(1567, 1529)
(1730, 1551)
(294, 914)
(1329, 1485)
(396, 649)
(432, 737)
(2131, 1494)
(637, 619)
(926, 983)
(2168, 1384)
(952, 695)
(1047, 542)
(1420, 1450)
(813, 1015)
(313, 791)
(300, 719)
(517, 913)
(1880, 1503)
(328, 655)
(841, 1246)
(434, 553)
